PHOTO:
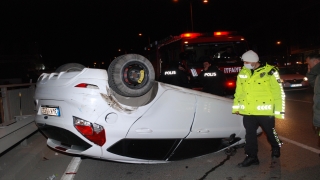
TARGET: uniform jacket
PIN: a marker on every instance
(176, 77)
(314, 80)
(213, 81)
(259, 92)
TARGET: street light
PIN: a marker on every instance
(191, 13)
(140, 34)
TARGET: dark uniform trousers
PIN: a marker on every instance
(251, 124)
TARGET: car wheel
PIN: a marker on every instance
(131, 75)
(70, 67)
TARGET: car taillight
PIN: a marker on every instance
(230, 84)
(85, 85)
(92, 131)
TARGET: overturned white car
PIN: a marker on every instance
(124, 115)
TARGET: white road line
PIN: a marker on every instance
(71, 169)
(301, 145)
(300, 101)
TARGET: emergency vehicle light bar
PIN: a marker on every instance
(221, 33)
(216, 33)
(190, 35)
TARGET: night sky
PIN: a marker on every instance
(93, 30)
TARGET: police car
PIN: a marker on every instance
(124, 115)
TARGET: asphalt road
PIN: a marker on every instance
(32, 159)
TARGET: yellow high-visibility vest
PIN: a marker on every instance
(259, 93)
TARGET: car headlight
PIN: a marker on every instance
(305, 79)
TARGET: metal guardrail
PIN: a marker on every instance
(17, 111)
(16, 100)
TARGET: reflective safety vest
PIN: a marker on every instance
(260, 93)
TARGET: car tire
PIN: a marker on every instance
(131, 75)
(70, 67)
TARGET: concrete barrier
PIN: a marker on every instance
(17, 113)
(16, 131)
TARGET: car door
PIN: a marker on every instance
(171, 116)
(213, 119)
(213, 125)
(155, 135)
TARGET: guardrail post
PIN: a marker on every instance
(4, 107)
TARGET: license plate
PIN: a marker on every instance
(51, 111)
(295, 85)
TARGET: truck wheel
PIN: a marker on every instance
(131, 75)
(70, 67)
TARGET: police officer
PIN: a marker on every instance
(176, 75)
(259, 97)
(212, 79)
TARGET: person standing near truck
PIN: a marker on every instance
(259, 98)
(176, 75)
(212, 79)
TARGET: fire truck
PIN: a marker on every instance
(224, 48)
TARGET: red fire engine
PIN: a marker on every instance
(224, 48)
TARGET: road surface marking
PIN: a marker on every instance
(300, 145)
(300, 101)
(71, 169)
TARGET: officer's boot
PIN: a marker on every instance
(317, 131)
(248, 161)
(275, 152)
